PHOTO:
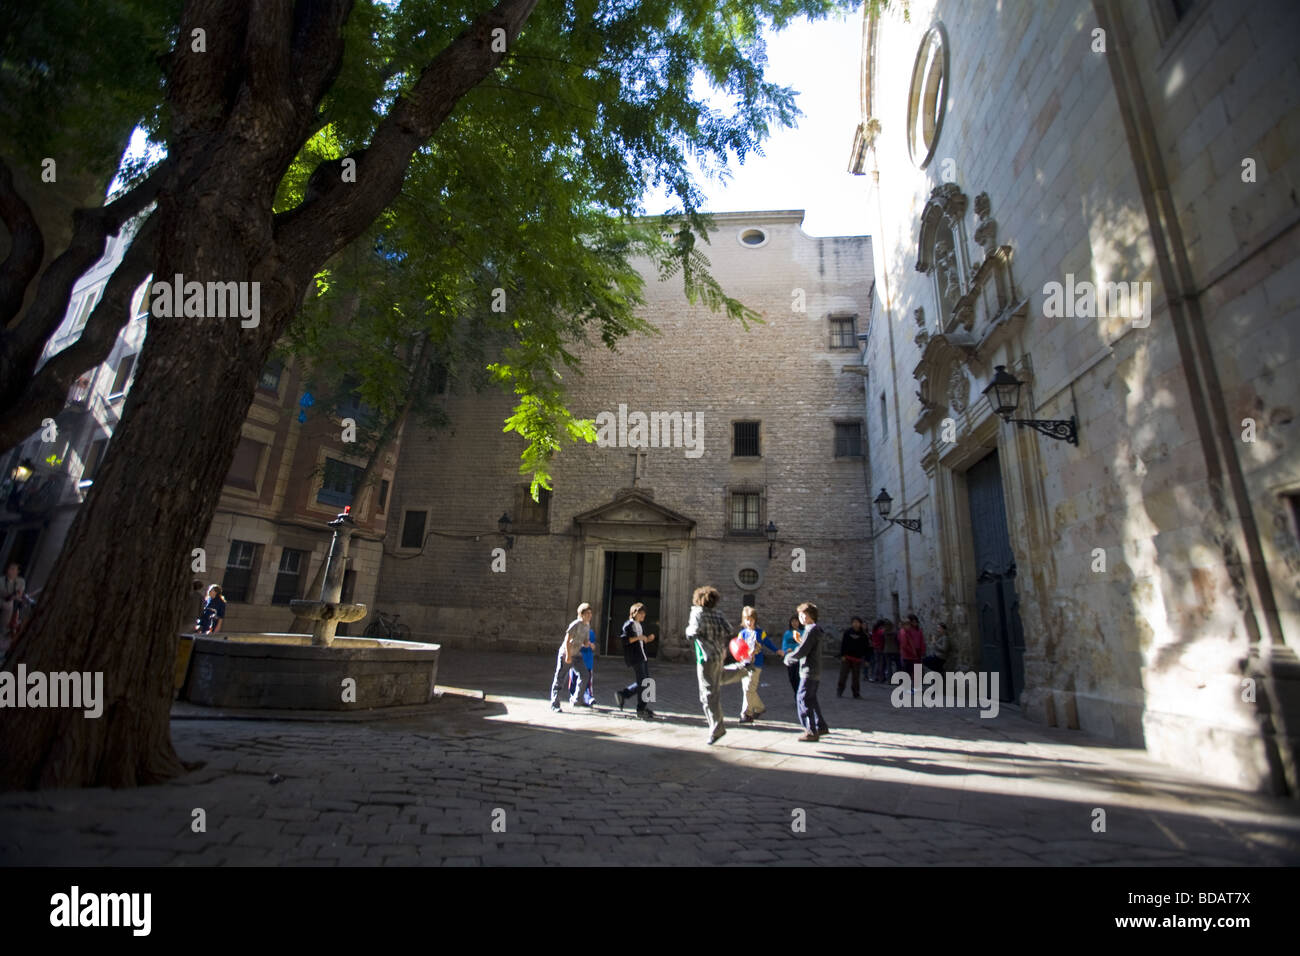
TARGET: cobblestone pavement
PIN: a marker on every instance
(503, 780)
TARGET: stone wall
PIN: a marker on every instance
(782, 373)
(1133, 621)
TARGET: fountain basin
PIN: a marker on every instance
(288, 672)
(328, 611)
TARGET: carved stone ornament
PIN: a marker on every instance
(986, 230)
(958, 389)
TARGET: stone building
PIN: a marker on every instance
(268, 540)
(748, 434)
(1100, 198)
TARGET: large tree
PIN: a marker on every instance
(599, 89)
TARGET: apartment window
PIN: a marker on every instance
(531, 516)
(844, 333)
(744, 439)
(339, 484)
(848, 439)
(351, 405)
(383, 496)
(269, 381)
(288, 577)
(413, 529)
(83, 314)
(243, 470)
(746, 512)
(94, 455)
(123, 376)
(238, 583)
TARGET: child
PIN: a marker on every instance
(634, 654)
(570, 655)
(938, 649)
(214, 612)
(751, 706)
(789, 641)
(809, 656)
(853, 647)
(878, 651)
(911, 649)
(588, 658)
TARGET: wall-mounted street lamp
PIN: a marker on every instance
(503, 525)
(1004, 397)
(771, 540)
(884, 502)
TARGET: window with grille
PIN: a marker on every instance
(746, 512)
(339, 484)
(413, 529)
(748, 577)
(744, 439)
(848, 439)
(237, 585)
(843, 332)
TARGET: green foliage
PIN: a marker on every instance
(534, 186)
(77, 77)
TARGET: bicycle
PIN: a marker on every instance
(387, 626)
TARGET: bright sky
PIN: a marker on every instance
(806, 168)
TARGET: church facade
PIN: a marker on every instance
(1098, 201)
(727, 455)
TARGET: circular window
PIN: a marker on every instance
(927, 97)
(748, 577)
(752, 238)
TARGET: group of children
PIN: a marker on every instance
(886, 649)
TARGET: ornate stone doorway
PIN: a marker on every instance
(619, 539)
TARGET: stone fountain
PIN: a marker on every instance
(317, 671)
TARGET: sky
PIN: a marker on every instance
(805, 168)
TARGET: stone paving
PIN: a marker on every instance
(500, 779)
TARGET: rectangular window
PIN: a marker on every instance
(745, 512)
(383, 496)
(848, 439)
(243, 470)
(83, 314)
(94, 455)
(238, 583)
(288, 578)
(531, 516)
(413, 529)
(884, 419)
(269, 381)
(744, 439)
(339, 484)
(843, 332)
(123, 376)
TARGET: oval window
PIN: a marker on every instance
(928, 97)
(748, 577)
(753, 237)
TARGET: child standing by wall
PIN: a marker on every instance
(809, 656)
(751, 706)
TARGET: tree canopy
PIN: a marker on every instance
(469, 147)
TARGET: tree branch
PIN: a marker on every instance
(335, 212)
(26, 247)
